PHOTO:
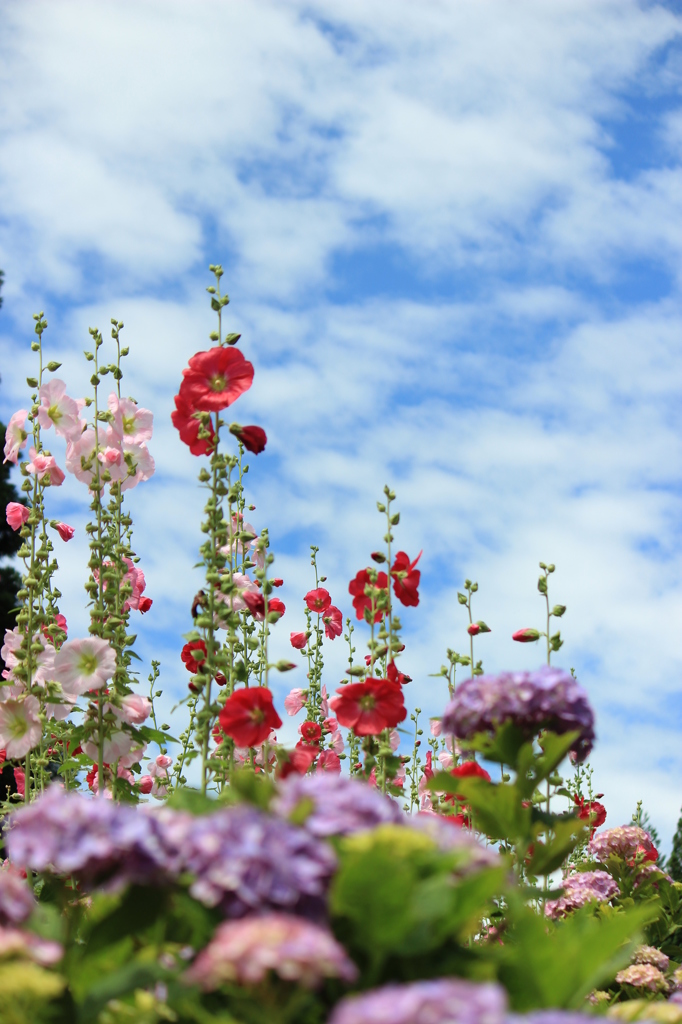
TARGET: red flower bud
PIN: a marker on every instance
(473, 629)
(526, 636)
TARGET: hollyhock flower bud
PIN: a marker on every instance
(295, 701)
(15, 436)
(276, 607)
(65, 531)
(16, 514)
(277, 582)
(145, 784)
(249, 715)
(253, 438)
(145, 604)
(298, 640)
(20, 779)
(473, 629)
(526, 636)
(216, 378)
(318, 600)
(82, 665)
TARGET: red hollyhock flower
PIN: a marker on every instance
(356, 588)
(396, 676)
(145, 604)
(318, 600)
(187, 424)
(253, 438)
(591, 811)
(275, 605)
(277, 582)
(526, 636)
(469, 770)
(311, 732)
(406, 579)
(473, 629)
(255, 602)
(333, 622)
(297, 760)
(191, 662)
(298, 640)
(650, 852)
(248, 716)
(215, 379)
(369, 707)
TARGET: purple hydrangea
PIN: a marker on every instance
(295, 949)
(94, 839)
(546, 699)
(579, 889)
(16, 896)
(552, 1016)
(338, 806)
(442, 1001)
(245, 860)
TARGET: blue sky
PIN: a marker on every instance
(451, 235)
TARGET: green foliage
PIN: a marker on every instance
(675, 858)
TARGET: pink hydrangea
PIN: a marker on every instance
(651, 955)
(580, 889)
(642, 976)
(14, 942)
(15, 436)
(295, 949)
(623, 841)
(83, 665)
(20, 726)
(58, 410)
(16, 896)
(16, 514)
(44, 466)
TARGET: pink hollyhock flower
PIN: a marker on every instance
(294, 701)
(131, 423)
(318, 600)
(436, 726)
(83, 665)
(333, 622)
(58, 410)
(20, 779)
(16, 514)
(15, 436)
(135, 577)
(526, 636)
(324, 701)
(297, 640)
(329, 761)
(80, 456)
(65, 531)
(44, 465)
(20, 726)
(131, 462)
(145, 784)
(134, 709)
(60, 711)
(159, 772)
(253, 438)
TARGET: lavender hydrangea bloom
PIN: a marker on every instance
(295, 949)
(546, 699)
(579, 889)
(442, 1001)
(244, 860)
(95, 840)
(16, 896)
(339, 806)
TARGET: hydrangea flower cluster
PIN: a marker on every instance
(548, 698)
(580, 889)
(651, 955)
(295, 949)
(99, 842)
(644, 976)
(625, 841)
(16, 896)
(441, 1001)
(244, 860)
(339, 806)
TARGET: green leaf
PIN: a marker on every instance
(140, 907)
(544, 964)
(155, 735)
(550, 855)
